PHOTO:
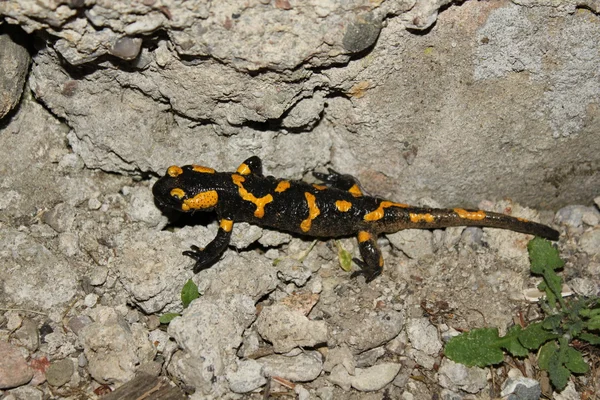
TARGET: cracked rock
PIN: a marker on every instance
(287, 329)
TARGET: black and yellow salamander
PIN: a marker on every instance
(336, 208)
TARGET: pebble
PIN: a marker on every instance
(457, 377)
(248, 377)
(589, 242)
(60, 372)
(375, 377)
(304, 367)
(521, 388)
(423, 336)
(14, 370)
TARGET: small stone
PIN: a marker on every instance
(521, 388)
(362, 33)
(369, 357)
(287, 329)
(126, 48)
(14, 63)
(414, 243)
(339, 376)
(290, 270)
(14, 370)
(60, 372)
(244, 235)
(90, 300)
(28, 335)
(591, 217)
(248, 377)
(340, 355)
(423, 336)
(375, 377)
(589, 242)
(304, 367)
(571, 215)
(457, 377)
(76, 324)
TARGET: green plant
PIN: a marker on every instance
(565, 320)
(189, 292)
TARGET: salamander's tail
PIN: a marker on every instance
(432, 218)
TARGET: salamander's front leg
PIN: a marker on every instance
(371, 265)
(252, 165)
(339, 181)
(211, 253)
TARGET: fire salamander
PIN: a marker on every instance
(335, 208)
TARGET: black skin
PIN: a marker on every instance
(286, 208)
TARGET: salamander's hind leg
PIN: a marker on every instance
(211, 253)
(371, 264)
(340, 181)
(252, 165)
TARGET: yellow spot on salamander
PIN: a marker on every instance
(174, 171)
(320, 187)
(313, 212)
(202, 200)
(226, 225)
(363, 236)
(177, 193)
(472, 215)
(421, 217)
(243, 169)
(259, 202)
(343, 205)
(522, 219)
(282, 186)
(204, 170)
(355, 191)
(381, 261)
(379, 212)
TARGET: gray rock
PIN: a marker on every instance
(287, 329)
(423, 336)
(375, 377)
(457, 377)
(521, 389)
(247, 377)
(27, 280)
(24, 393)
(14, 64)
(244, 234)
(113, 348)
(340, 355)
(291, 270)
(369, 357)
(589, 242)
(412, 242)
(572, 216)
(209, 332)
(28, 335)
(340, 376)
(303, 367)
(373, 330)
(250, 274)
(14, 370)
(60, 372)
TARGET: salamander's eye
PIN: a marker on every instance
(177, 193)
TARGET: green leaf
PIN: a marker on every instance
(543, 256)
(590, 338)
(593, 323)
(574, 361)
(549, 359)
(168, 317)
(189, 292)
(344, 257)
(512, 344)
(545, 353)
(551, 322)
(534, 335)
(478, 347)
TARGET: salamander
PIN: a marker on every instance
(336, 207)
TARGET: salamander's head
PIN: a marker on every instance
(182, 189)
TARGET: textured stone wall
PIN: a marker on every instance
(485, 100)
